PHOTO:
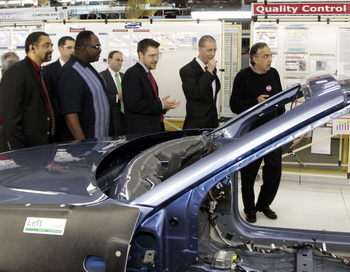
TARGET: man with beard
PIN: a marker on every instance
(143, 110)
(82, 93)
(28, 115)
(251, 86)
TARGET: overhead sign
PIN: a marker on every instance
(129, 25)
(33, 14)
(302, 9)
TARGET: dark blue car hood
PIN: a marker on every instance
(25, 176)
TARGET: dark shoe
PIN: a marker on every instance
(269, 213)
(250, 216)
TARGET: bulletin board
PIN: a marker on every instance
(13, 38)
(303, 48)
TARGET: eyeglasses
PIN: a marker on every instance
(68, 47)
(267, 56)
(153, 56)
(209, 50)
(98, 46)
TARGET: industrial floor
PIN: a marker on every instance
(316, 196)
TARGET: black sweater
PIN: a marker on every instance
(248, 86)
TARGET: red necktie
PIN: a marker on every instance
(155, 90)
(154, 84)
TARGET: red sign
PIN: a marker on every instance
(76, 29)
(120, 30)
(302, 9)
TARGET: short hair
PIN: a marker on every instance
(205, 39)
(62, 40)
(254, 50)
(83, 38)
(145, 43)
(110, 55)
(33, 39)
(8, 54)
(7, 64)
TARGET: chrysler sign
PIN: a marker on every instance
(302, 9)
(33, 14)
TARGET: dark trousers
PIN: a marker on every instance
(271, 175)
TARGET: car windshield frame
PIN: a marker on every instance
(322, 105)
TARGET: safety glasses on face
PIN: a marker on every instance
(209, 50)
(98, 46)
(266, 56)
(153, 56)
(68, 47)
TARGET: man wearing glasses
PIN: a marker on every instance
(50, 72)
(251, 86)
(143, 109)
(201, 85)
(82, 94)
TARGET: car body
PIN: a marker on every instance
(162, 202)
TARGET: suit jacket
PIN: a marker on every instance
(142, 109)
(201, 109)
(50, 73)
(117, 115)
(25, 114)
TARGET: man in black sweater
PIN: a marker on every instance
(251, 86)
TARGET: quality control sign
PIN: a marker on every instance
(302, 9)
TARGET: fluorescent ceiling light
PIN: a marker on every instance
(221, 14)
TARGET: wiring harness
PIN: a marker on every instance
(227, 258)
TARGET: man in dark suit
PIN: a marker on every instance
(7, 57)
(113, 79)
(28, 115)
(50, 71)
(7, 60)
(201, 86)
(66, 47)
(143, 108)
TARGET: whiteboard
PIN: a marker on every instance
(178, 41)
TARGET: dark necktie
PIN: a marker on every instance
(155, 90)
(213, 83)
(48, 104)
